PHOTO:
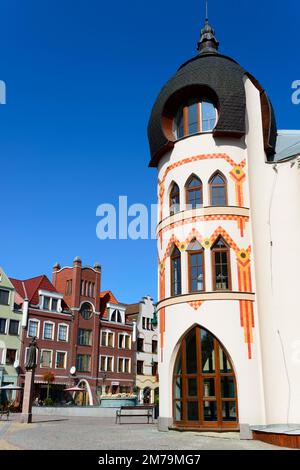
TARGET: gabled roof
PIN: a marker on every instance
(106, 297)
(108, 294)
(133, 309)
(29, 288)
(132, 312)
(4, 280)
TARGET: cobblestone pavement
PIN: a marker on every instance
(48, 433)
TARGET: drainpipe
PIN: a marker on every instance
(25, 312)
(134, 335)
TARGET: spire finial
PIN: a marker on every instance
(207, 42)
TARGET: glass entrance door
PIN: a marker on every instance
(204, 385)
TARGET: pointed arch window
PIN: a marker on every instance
(204, 383)
(218, 189)
(174, 199)
(194, 192)
(221, 265)
(196, 267)
(175, 272)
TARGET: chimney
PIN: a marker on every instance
(97, 268)
(77, 264)
(55, 270)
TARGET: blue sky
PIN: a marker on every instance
(81, 78)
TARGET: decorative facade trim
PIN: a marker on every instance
(197, 299)
(237, 174)
(241, 216)
(244, 282)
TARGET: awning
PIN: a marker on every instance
(10, 387)
(74, 389)
(42, 382)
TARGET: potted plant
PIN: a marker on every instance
(48, 402)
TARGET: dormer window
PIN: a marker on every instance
(50, 301)
(116, 316)
(116, 313)
(50, 304)
(46, 304)
(195, 116)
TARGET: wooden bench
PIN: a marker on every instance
(143, 410)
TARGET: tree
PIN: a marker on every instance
(48, 377)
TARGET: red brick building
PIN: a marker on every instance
(46, 316)
(80, 287)
(117, 350)
(102, 341)
(82, 335)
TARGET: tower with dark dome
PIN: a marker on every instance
(227, 280)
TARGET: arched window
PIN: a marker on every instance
(194, 192)
(113, 316)
(204, 383)
(175, 272)
(218, 190)
(195, 116)
(196, 267)
(221, 265)
(116, 316)
(174, 199)
(86, 311)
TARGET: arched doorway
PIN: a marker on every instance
(147, 396)
(204, 384)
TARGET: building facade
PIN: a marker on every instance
(228, 304)
(102, 343)
(117, 347)
(10, 327)
(84, 339)
(80, 286)
(45, 316)
(146, 358)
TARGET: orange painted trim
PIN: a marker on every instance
(235, 167)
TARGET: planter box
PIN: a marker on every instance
(117, 402)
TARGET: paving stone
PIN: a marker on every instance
(103, 434)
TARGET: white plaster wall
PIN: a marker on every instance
(197, 145)
(222, 318)
(268, 384)
(275, 209)
(146, 311)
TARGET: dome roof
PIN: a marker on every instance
(213, 75)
